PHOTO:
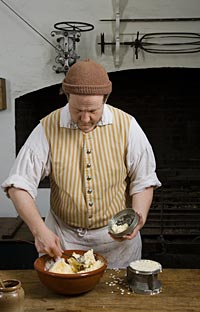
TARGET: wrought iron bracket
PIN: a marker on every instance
(68, 35)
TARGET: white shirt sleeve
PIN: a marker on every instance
(140, 159)
(32, 163)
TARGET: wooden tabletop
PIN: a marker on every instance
(180, 293)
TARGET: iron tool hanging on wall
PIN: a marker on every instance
(159, 43)
(69, 34)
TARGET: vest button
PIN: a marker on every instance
(88, 165)
(89, 178)
(89, 191)
(90, 204)
(88, 151)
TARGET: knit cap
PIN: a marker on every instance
(87, 78)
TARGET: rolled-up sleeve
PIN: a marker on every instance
(140, 159)
(31, 165)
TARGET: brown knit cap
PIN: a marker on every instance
(87, 78)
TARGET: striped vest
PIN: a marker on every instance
(88, 176)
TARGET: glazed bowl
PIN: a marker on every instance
(127, 216)
(69, 284)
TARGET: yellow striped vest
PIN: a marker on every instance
(88, 176)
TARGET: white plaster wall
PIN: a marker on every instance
(26, 59)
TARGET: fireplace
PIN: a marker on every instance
(165, 102)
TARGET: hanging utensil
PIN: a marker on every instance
(161, 43)
(170, 42)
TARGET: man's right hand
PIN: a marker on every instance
(47, 242)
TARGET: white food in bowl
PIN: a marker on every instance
(60, 266)
(119, 228)
(88, 261)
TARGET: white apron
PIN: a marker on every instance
(118, 254)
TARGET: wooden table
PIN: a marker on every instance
(180, 293)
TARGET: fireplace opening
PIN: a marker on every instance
(165, 102)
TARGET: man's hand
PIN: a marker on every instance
(141, 203)
(49, 243)
(136, 229)
(134, 233)
(45, 240)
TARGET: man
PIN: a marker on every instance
(93, 153)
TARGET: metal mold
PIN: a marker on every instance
(144, 281)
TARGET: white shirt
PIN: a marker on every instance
(33, 162)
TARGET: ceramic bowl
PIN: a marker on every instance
(69, 284)
(128, 216)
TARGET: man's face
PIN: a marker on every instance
(86, 110)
